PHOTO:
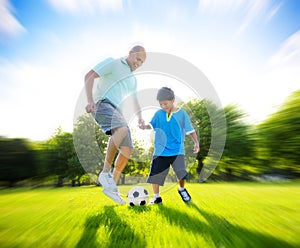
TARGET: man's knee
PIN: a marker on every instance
(126, 150)
(122, 131)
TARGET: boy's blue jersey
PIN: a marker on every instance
(170, 132)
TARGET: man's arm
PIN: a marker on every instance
(89, 83)
(138, 111)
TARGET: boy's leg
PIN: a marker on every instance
(183, 192)
(181, 173)
(181, 183)
(159, 169)
(185, 196)
(156, 199)
(155, 188)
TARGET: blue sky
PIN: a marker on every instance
(249, 50)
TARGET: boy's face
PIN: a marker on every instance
(167, 105)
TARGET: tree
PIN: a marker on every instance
(16, 160)
(223, 135)
(279, 136)
(65, 162)
(139, 162)
(90, 144)
(209, 123)
(200, 119)
(239, 145)
(44, 159)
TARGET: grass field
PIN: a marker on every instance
(221, 215)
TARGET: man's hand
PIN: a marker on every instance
(91, 107)
(141, 124)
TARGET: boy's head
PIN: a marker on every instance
(164, 94)
(166, 99)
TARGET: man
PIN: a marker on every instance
(116, 83)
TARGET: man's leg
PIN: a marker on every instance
(112, 147)
(107, 181)
(121, 161)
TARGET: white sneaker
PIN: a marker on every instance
(114, 195)
(109, 187)
(107, 181)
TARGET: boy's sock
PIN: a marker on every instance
(180, 188)
(157, 195)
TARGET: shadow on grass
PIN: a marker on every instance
(219, 230)
(139, 209)
(118, 233)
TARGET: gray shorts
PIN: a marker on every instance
(160, 168)
(108, 117)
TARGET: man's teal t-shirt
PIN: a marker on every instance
(116, 81)
(170, 132)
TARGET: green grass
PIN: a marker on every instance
(221, 215)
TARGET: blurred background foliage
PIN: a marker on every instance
(270, 149)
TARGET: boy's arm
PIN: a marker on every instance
(196, 142)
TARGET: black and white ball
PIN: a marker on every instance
(138, 196)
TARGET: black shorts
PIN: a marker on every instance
(160, 167)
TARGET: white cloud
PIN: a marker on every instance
(37, 98)
(284, 73)
(254, 9)
(248, 11)
(273, 11)
(220, 5)
(39, 95)
(9, 25)
(289, 52)
(266, 91)
(86, 6)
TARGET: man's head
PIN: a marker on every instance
(166, 99)
(136, 57)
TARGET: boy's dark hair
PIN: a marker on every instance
(165, 93)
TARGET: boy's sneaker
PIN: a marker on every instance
(114, 195)
(185, 195)
(107, 181)
(155, 200)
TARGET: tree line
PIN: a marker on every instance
(250, 151)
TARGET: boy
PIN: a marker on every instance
(171, 124)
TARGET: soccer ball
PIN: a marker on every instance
(137, 196)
